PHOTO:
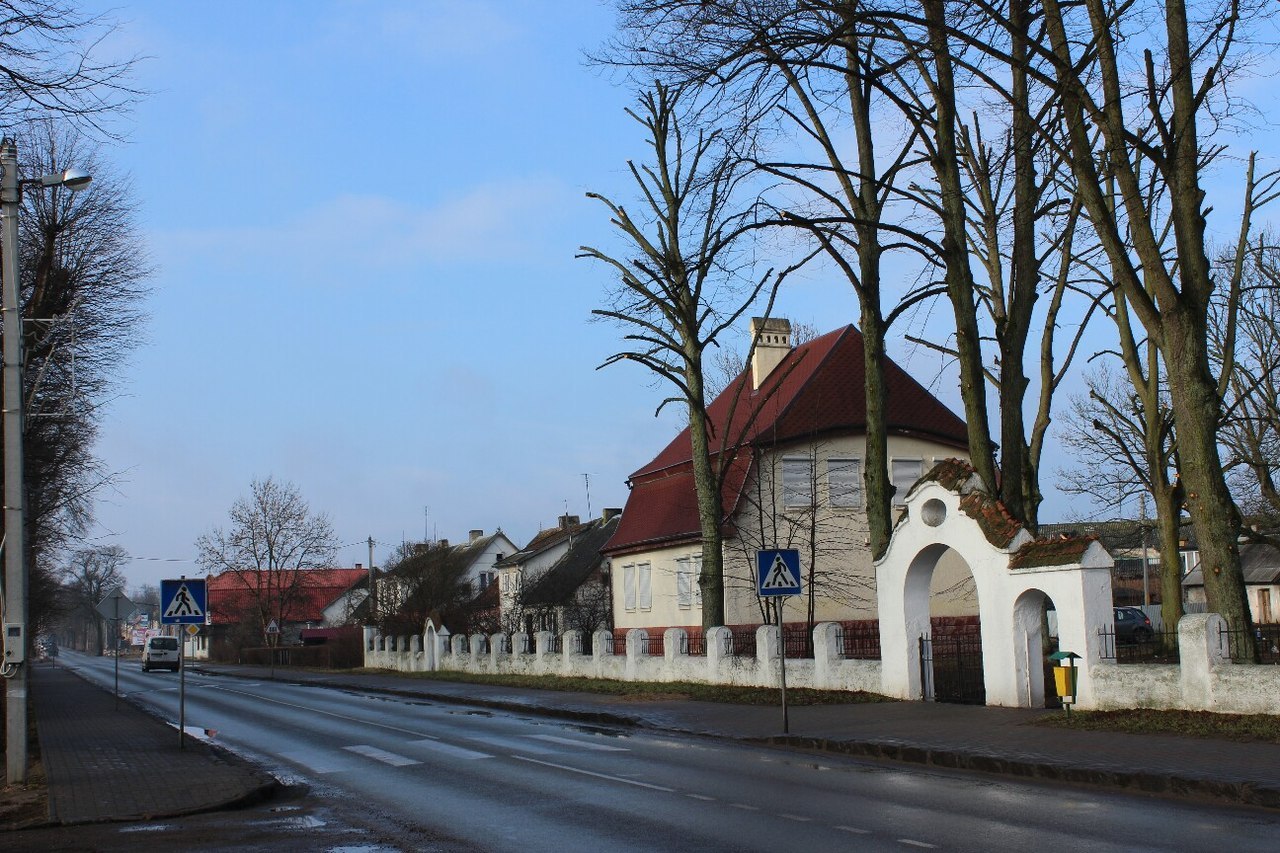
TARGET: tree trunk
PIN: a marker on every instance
(1168, 513)
(959, 275)
(710, 508)
(1196, 406)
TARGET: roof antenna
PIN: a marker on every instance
(586, 478)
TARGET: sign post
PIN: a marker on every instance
(778, 576)
(273, 636)
(183, 602)
(114, 607)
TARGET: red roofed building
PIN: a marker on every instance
(243, 603)
(794, 425)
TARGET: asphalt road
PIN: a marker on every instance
(449, 777)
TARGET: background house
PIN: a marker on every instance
(791, 430)
(574, 593)
(1261, 566)
(242, 603)
(528, 564)
(441, 581)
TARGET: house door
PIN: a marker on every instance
(951, 669)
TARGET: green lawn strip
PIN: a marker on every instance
(1202, 724)
(659, 691)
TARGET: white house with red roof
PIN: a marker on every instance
(792, 429)
(243, 602)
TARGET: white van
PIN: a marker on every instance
(160, 653)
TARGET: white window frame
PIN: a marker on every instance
(901, 489)
(844, 496)
(792, 497)
(629, 587)
(684, 584)
(644, 586)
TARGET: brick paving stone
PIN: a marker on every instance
(108, 761)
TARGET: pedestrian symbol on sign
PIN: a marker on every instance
(778, 572)
(183, 604)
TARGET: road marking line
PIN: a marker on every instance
(519, 742)
(599, 747)
(308, 760)
(854, 830)
(381, 755)
(595, 775)
(745, 807)
(449, 749)
(702, 797)
(347, 717)
(917, 843)
(795, 817)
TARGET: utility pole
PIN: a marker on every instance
(14, 667)
(373, 588)
(1142, 525)
(15, 539)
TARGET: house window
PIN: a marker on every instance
(844, 482)
(903, 473)
(684, 584)
(797, 482)
(629, 586)
(486, 579)
(644, 586)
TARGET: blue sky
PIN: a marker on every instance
(364, 217)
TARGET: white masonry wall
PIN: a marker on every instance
(1206, 680)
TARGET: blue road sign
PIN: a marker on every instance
(183, 601)
(778, 572)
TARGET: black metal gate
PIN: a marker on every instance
(951, 669)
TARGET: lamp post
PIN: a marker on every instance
(15, 540)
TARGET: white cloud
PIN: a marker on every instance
(490, 223)
(438, 33)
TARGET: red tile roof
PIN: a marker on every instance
(233, 593)
(816, 390)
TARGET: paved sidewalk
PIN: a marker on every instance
(114, 762)
(104, 763)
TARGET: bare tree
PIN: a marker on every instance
(89, 576)
(83, 267)
(800, 86)
(1121, 434)
(1251, 426)
(421, 581)
(1135, 112)
(273, 541)
(49, 66)
(685, 284)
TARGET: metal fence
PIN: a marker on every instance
(1266, 639)
(741, 642)
(694, 644)
(858, 644)
(1160, 647)
(652, 646)
(797, 641)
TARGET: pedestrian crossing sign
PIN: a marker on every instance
(778, 572)
(183, 601)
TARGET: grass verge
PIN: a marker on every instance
(648, 691)
(1245, 728)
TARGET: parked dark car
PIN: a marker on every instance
(1132, 625)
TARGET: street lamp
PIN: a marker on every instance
(15, 567)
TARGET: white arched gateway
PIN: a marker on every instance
(1013, 574)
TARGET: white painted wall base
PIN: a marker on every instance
(1206, 680)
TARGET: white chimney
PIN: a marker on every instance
(773, 342)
